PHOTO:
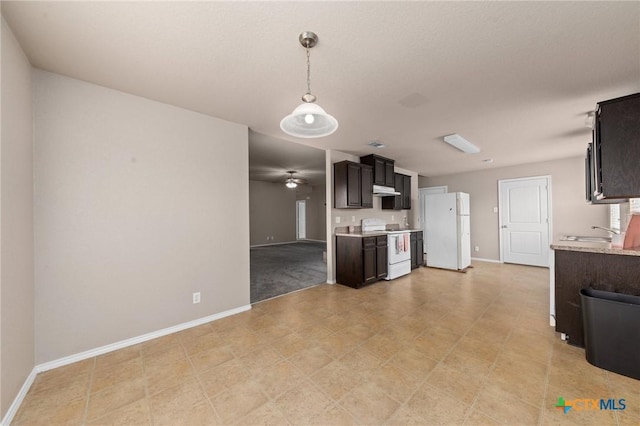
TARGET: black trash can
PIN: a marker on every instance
(611, 323)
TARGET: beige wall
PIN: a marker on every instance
(272, 213)
(315, 197)
(16, 222)
(570, 215)
(354, 216)
(138, 205)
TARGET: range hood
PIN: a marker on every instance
(384, 191)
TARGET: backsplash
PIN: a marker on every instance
(391, 217)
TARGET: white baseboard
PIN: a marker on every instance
(479, 259)
(15, 405)
(135, 340)
(13, 409)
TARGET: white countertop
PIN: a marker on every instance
(604, 248)
(374, 233)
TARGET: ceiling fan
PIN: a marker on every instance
(293, 182)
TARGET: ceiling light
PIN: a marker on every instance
(461, 143)
(376, 144)
(291, 182)
(308, 120)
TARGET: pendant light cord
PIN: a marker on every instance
(308, 71)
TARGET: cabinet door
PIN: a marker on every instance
(414, 250)
(381, 256)
(617, 148)
(378, 172)
(394, 203)
(347, 192)
(389, 175)
(369, 260)
(354, 190)
(366, 181)
(406, 192)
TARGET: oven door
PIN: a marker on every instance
(399, 248)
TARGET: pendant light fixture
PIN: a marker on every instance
(308, 120)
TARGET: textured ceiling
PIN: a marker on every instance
(514, 78)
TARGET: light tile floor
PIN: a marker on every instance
(434, 347)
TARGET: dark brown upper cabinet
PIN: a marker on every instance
(352, 185)
(402, 201)
(615, 151)
(383, 169)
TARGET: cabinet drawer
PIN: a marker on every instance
(369, 242)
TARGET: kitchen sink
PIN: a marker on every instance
(585, 239)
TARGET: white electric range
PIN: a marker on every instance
(398, 247)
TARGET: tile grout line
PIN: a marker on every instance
(611, 395)
(146, 387)
(439, 362)
(197, 377)
(546, 385)
(86, 405)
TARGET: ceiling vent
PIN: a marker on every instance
(461, 143)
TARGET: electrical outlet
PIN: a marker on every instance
(495, 210)
(337, 219)
(353, 218)
(196, 297)
(393, 217)
(476, 248)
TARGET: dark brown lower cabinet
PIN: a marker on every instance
(381, 257)
(360, 260)
(417, 252)
(576, 270)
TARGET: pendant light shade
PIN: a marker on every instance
(309, 120)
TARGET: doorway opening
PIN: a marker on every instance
(525, 220)
(301, 220)
(287, 223)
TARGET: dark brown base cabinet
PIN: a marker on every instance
(417, 249)
(576, 270)
(360, 261)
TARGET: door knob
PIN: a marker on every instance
(503, 226)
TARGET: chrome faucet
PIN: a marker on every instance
(612, 231)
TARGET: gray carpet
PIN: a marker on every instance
(284, 268)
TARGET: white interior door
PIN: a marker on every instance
(301, 219)
(524, 220)
(424, 193)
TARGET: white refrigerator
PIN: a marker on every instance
(448, 232)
